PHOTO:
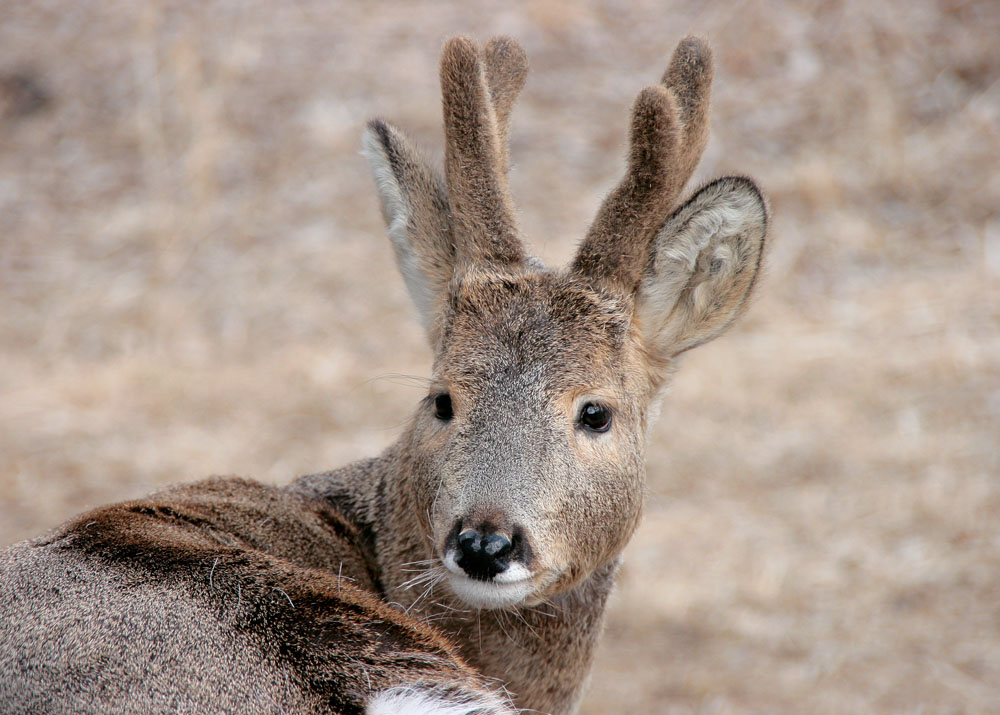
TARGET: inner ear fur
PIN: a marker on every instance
(702, 267)
(415, 208)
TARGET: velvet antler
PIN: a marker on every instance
(477, 102)
(506, 72)
(668, 135)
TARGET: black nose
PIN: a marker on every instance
(483, 556)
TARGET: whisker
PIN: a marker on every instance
(421, 562)
(550, 602)
(397, 378)
(538, 611)
(499, 622)
(419, 579)
(517, 614)
(452, 608)
(430, 587)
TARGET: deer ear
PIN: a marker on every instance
(415, 208)
(702, 267)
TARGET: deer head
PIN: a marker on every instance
(527, 455)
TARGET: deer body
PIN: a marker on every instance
(467, 568)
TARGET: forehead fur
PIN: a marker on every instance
(516, 321)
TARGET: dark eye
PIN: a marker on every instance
(595, 417)
(442, 407)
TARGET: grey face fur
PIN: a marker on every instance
(521, 356)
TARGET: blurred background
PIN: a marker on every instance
(194, 279)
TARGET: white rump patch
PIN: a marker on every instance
(415, 701)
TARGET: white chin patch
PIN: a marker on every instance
(509, 588)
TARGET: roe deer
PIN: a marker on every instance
(465, 569)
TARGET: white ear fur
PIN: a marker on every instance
(703, 266)
(397, 212)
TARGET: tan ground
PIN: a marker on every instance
(194, 279)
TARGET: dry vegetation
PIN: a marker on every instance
(194, 279)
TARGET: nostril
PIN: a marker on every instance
(496, 545)
(468, 541)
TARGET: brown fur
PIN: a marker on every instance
(287, 575)
(228, 595)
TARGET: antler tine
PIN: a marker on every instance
(506, 72)
(668, 135)
(482, 210)
(689, 77)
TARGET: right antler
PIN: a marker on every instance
(477, 103)
(669, 131)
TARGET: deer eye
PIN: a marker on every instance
(595, 417)
(442, 407)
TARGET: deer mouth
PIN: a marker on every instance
(510, 587)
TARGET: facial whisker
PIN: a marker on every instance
(418, 580)
(421, 562)
(500, 622)
(422, 576)
(517, 614)
(438, 577)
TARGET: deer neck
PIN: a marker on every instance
(541, 653)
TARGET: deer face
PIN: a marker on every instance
(528, 450)
(530, 441)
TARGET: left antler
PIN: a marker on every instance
(669, 131)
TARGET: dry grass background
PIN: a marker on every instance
(194, 279)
